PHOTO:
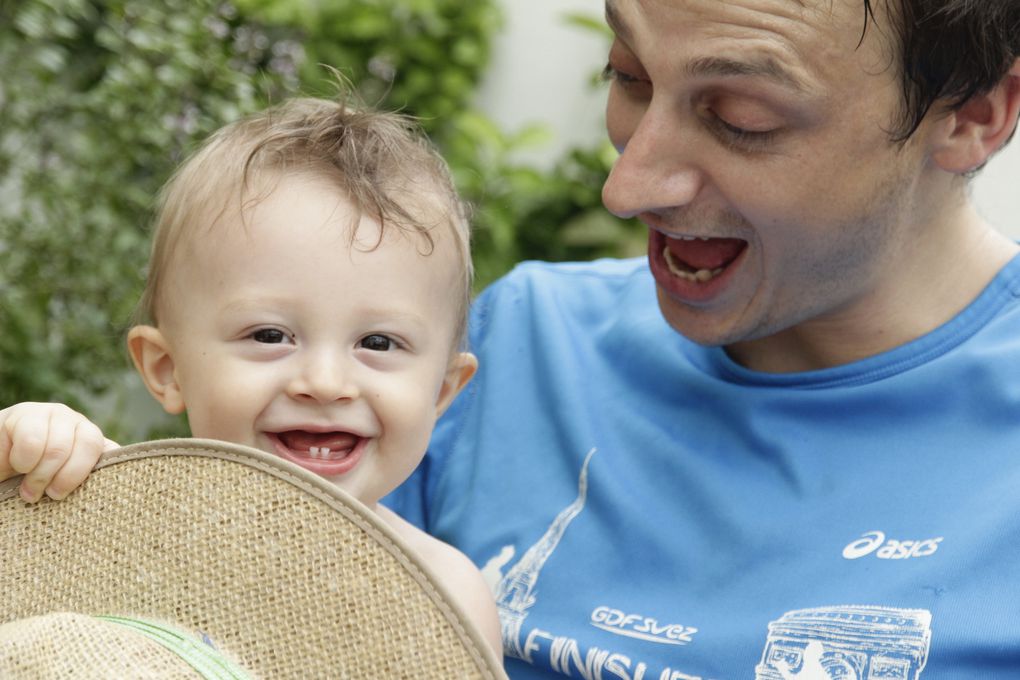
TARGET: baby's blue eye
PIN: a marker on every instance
(376, 343)
(270, 336)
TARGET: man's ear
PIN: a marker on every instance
(979, 128)
(460, 371)
(151, 355)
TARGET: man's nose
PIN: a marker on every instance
(656, 170)
(324, 377)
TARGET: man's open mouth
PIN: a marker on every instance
(698, 259)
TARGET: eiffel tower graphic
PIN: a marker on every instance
(515, 593)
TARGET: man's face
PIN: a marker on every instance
(755, 145)
(287, 338)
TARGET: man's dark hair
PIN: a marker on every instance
(949, 50)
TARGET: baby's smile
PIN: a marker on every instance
(325, 453)
(333, 445)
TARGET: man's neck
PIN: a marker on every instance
(944, 274)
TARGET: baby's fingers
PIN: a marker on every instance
(6, 441)
(24, 434)
(88, 445)
(41, 463)
(52, 445)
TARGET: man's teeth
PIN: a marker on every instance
(701, 276)
(318, 452)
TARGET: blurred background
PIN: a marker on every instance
(100, 99)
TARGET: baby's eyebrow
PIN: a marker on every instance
(402, 317)
(250, 304)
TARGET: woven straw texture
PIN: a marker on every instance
(77, 646)
(285, 573)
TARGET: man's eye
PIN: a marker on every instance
(269, 336)
(611, 74)
(750, 139)
(376, 343)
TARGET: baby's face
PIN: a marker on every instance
(287, 339)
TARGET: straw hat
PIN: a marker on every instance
(285, 573)
(69, 645)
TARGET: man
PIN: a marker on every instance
(786, 443)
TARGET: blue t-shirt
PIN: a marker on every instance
(649, 510)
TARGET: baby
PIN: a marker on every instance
(307, 296)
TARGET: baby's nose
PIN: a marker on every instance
(324, 378)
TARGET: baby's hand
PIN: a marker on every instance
(54, 446)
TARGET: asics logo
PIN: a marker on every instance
(875, 542)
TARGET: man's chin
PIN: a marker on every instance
(712, 327)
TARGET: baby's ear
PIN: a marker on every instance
(459, 372)
(970, 135)
(150, 352)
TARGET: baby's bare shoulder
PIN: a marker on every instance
(437, 554)
(458, 574)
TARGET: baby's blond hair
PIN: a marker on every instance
(380, 160)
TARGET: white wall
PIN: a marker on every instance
(541, 66)
(996, 190)
(540, 71)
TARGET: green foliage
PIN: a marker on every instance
(424, 57)
(101, 99)
(99, 102)
(524, 213)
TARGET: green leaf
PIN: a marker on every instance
(588, 22)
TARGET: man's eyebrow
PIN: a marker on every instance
(709, 67)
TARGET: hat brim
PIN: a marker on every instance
(290, 575)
